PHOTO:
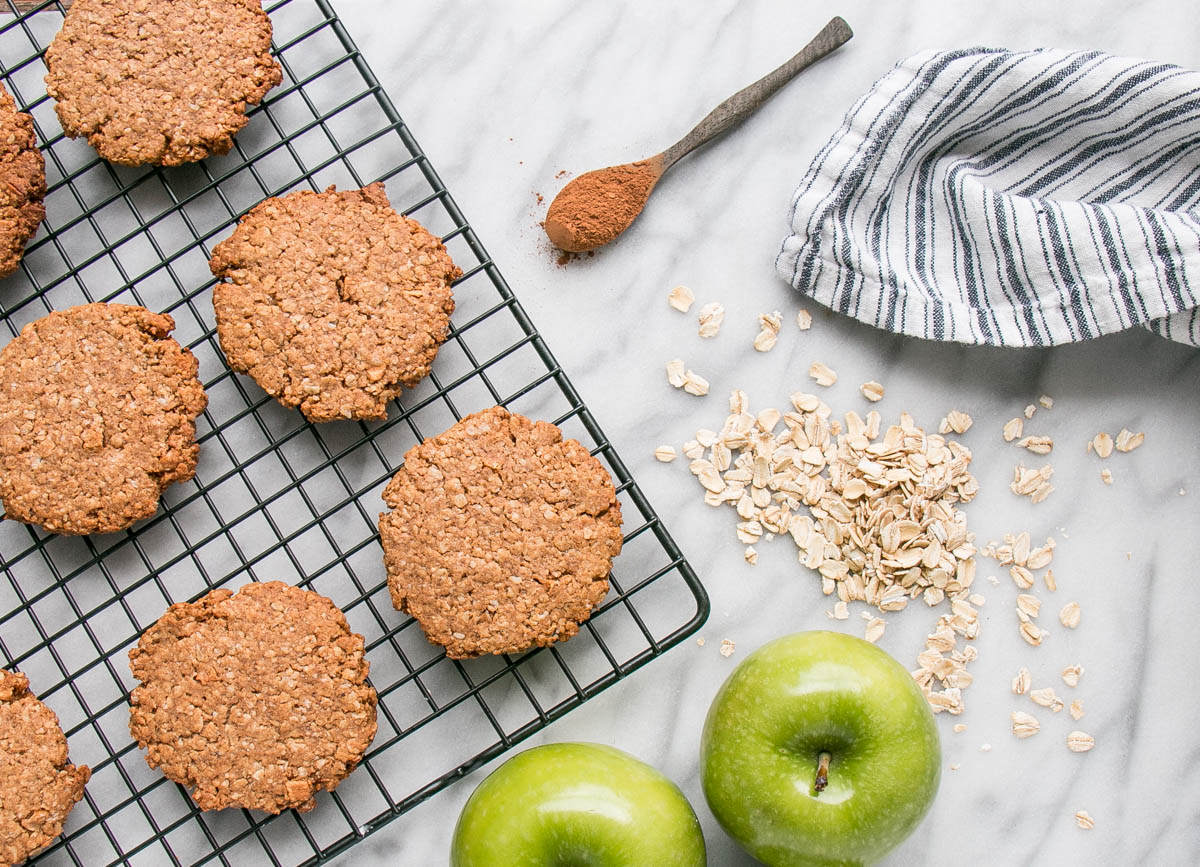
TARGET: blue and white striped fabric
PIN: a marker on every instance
(1009, 198)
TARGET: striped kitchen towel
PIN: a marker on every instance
(1012, 198)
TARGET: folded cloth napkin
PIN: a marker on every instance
(1012, 198)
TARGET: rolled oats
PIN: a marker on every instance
(681, 298)
(1022, 682)
(872, 391)
(665, 453)
(1069, 615)
(1024, 725)
(1076, 709)
(1080, 742)
(1103, 444)
(711, 317)
(1084, 820)
(1013, 428)
(823, 374)
(804, 320)
(768, 331)
(675, 372)
(1127, 440)
(1071, 675)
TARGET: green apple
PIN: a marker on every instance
(819, 750)
(577, 805)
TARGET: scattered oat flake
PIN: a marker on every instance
(1080, 742)
(1022, 682)
(1106, 476)
(694, 383)
(681, 298)
(1028, 604)
(960, 727)
(1024, 725)
(711, 317)
(727, 647)
(676, 375)
(1013, 428)
(1069, 615)
(1037, 445)
(875, 628)
(1045, 697)
(1051, 584)
(823, 375)
(804, 320)
(1076, 709)
(841, 611)
(1127, 440)
(1102, 443)
(1071, 675)
(872, 391)
(751, 555)
(958, 421)
(768, 334)
(1046, 400)
(665, 453)
(1084, 820)
(1030, 410)
(1031, 632)
(700, 641)
(955, 766)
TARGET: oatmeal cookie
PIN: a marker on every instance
(334, 302)
(97, 418)
(502, 535)
(38, 785)
(160, 81)
(22, 183)
(257, 699)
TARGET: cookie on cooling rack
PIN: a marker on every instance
(38, 785)
(22, 183)
(502, 535)
(256, 699)
(160, 81)
(97, 418)
(333, 301)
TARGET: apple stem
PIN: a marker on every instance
(822, 779)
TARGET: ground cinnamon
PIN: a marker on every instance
(597, 206)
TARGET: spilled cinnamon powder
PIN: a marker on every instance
(597, 206)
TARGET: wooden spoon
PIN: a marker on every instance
(597, 206)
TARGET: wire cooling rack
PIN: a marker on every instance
(275, 497)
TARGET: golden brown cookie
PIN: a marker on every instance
(334, 302)
(22, 183)
(97, 418)
(502, 535)
(257, 699)
(38, 786)
(160, 81)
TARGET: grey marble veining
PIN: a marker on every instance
(504, 96)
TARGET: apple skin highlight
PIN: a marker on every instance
(786, 704)
(577, 803)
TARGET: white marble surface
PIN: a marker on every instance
(503, 97)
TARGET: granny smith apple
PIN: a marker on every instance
(819, 750)
(573, 804)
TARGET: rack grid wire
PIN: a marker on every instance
(275, 497)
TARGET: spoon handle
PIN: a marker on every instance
(747, 100)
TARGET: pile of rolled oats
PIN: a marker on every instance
(873, 511)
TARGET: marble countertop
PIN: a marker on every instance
(503, 100)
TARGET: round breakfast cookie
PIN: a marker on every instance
(333, 301)
(97, 418)
(160, 81)
(502, 535)
(38, 786)
(22, 183)
(257, 699)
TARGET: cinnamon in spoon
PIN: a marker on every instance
(597, 206)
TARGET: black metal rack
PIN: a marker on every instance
(276, 497)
